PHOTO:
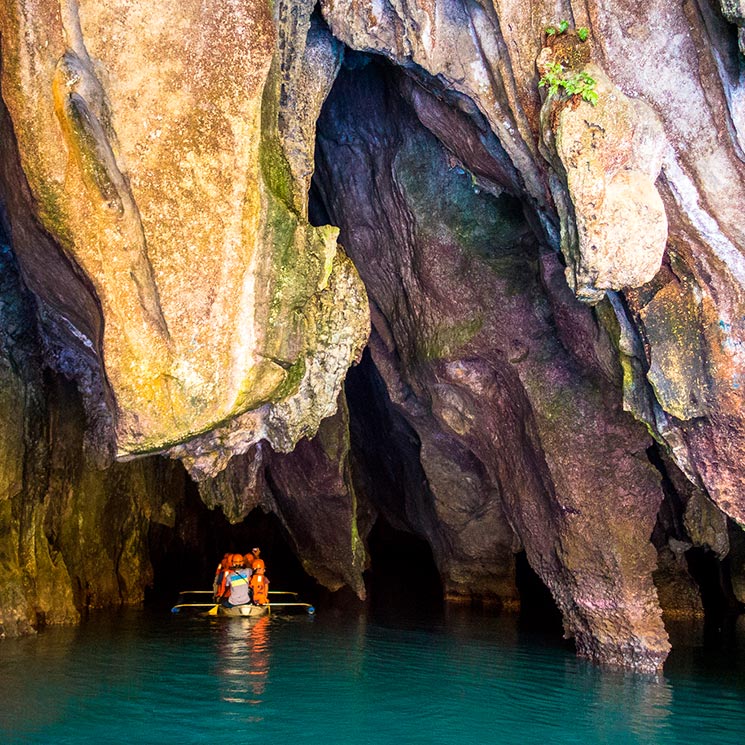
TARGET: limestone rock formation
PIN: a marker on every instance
(487, 53)
(493, 376)
(556, 362)
(608, 155)
(72, 536)
(150, 136)
(312, 493)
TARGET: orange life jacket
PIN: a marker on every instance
(221, 574)
(260, 588)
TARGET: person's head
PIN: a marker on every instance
(248, 559)
(237, 560)
(256, 552)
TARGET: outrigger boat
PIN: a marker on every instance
(242, 611)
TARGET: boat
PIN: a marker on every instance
(242, 611)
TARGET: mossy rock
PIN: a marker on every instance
(569, 50)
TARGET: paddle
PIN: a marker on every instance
(197, 592)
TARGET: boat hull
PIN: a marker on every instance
(243, 611)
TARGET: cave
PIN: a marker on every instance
(418, 336)
(402, 577)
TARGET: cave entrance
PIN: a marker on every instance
(185, 556)
(402, 575)
(538, 610)
(712, 576)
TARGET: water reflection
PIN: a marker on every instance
(245, 655)
(461, 677)
(22, 683)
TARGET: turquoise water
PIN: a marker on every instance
(154, 678)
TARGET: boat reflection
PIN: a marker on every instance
(245, 654)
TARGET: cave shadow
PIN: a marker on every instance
(720, 630)
(403, 584)
(721, 607)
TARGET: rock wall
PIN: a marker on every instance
(679, 64)
(73, 536)
(477, 339)
(158, 157)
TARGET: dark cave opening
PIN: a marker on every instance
(707, 573)
(538, 610)
(387, 469)
(184, 557)
(715, 585)
(402, 574)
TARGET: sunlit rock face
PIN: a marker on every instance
(157, 149)
(685, 67)
(607, 152)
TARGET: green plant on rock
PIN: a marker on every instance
(557, 79)
(583, 33)
(561, 28)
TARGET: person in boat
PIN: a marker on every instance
(257, 563)
(259, 582)
(221, 575)
(237, 584)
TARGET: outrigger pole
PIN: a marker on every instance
(210, 592)
(176, 608)
(213, 606)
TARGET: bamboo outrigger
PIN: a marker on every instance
(241, 611)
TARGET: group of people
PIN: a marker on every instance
(241, 579)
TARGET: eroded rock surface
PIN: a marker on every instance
(608, 154)
(72, 536)
(150, 136)
(312, 493)
(472, 351)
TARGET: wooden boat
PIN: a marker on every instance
(244, 611)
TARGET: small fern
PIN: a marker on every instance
(557, 80)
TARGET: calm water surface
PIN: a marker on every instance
(154, 678)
